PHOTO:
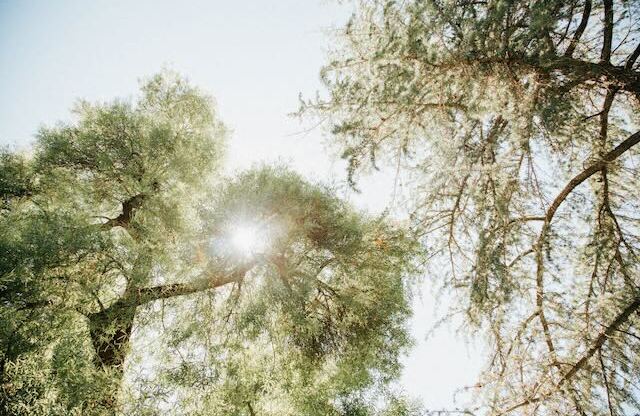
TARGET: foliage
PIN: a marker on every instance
(121, 290)
(512, 123)
(320, 317)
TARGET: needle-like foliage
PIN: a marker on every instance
(513, 126)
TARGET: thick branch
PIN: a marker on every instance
(110, 331)
(210, 281)
(627, 144)
(632, 58)
(251, 411)
(580, 30)
(580, 71)
(129, 208)
(605, 56)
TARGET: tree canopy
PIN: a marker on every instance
(135, 278)
(513, 125)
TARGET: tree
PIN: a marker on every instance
(129, 282)
(515, 125)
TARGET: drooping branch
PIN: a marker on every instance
(606, 383)
(562, 196)
(602, 338)
(550, 213)
(620, 320)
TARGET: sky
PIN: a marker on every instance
(255, 57)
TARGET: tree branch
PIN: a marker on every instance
(251, 411)
(580, 30)
(206, 282)
(605, 56)
(627, 144)
(602, 338)
(129, 208)
(624, 315)
(579, 71)
(632, 58)
(606, 382)
(539, 247)
(579, 365)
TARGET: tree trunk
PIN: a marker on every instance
(110, 331)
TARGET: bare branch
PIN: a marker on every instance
(605, 56)
(210, 281)
(632, 58)
(580, 30)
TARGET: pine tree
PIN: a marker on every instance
(514, 126)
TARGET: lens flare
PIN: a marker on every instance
(247, 239)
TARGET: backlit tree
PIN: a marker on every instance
(513, 125)
(135, 279)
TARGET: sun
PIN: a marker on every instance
(247, 239)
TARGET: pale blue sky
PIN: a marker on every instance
(253, 56)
